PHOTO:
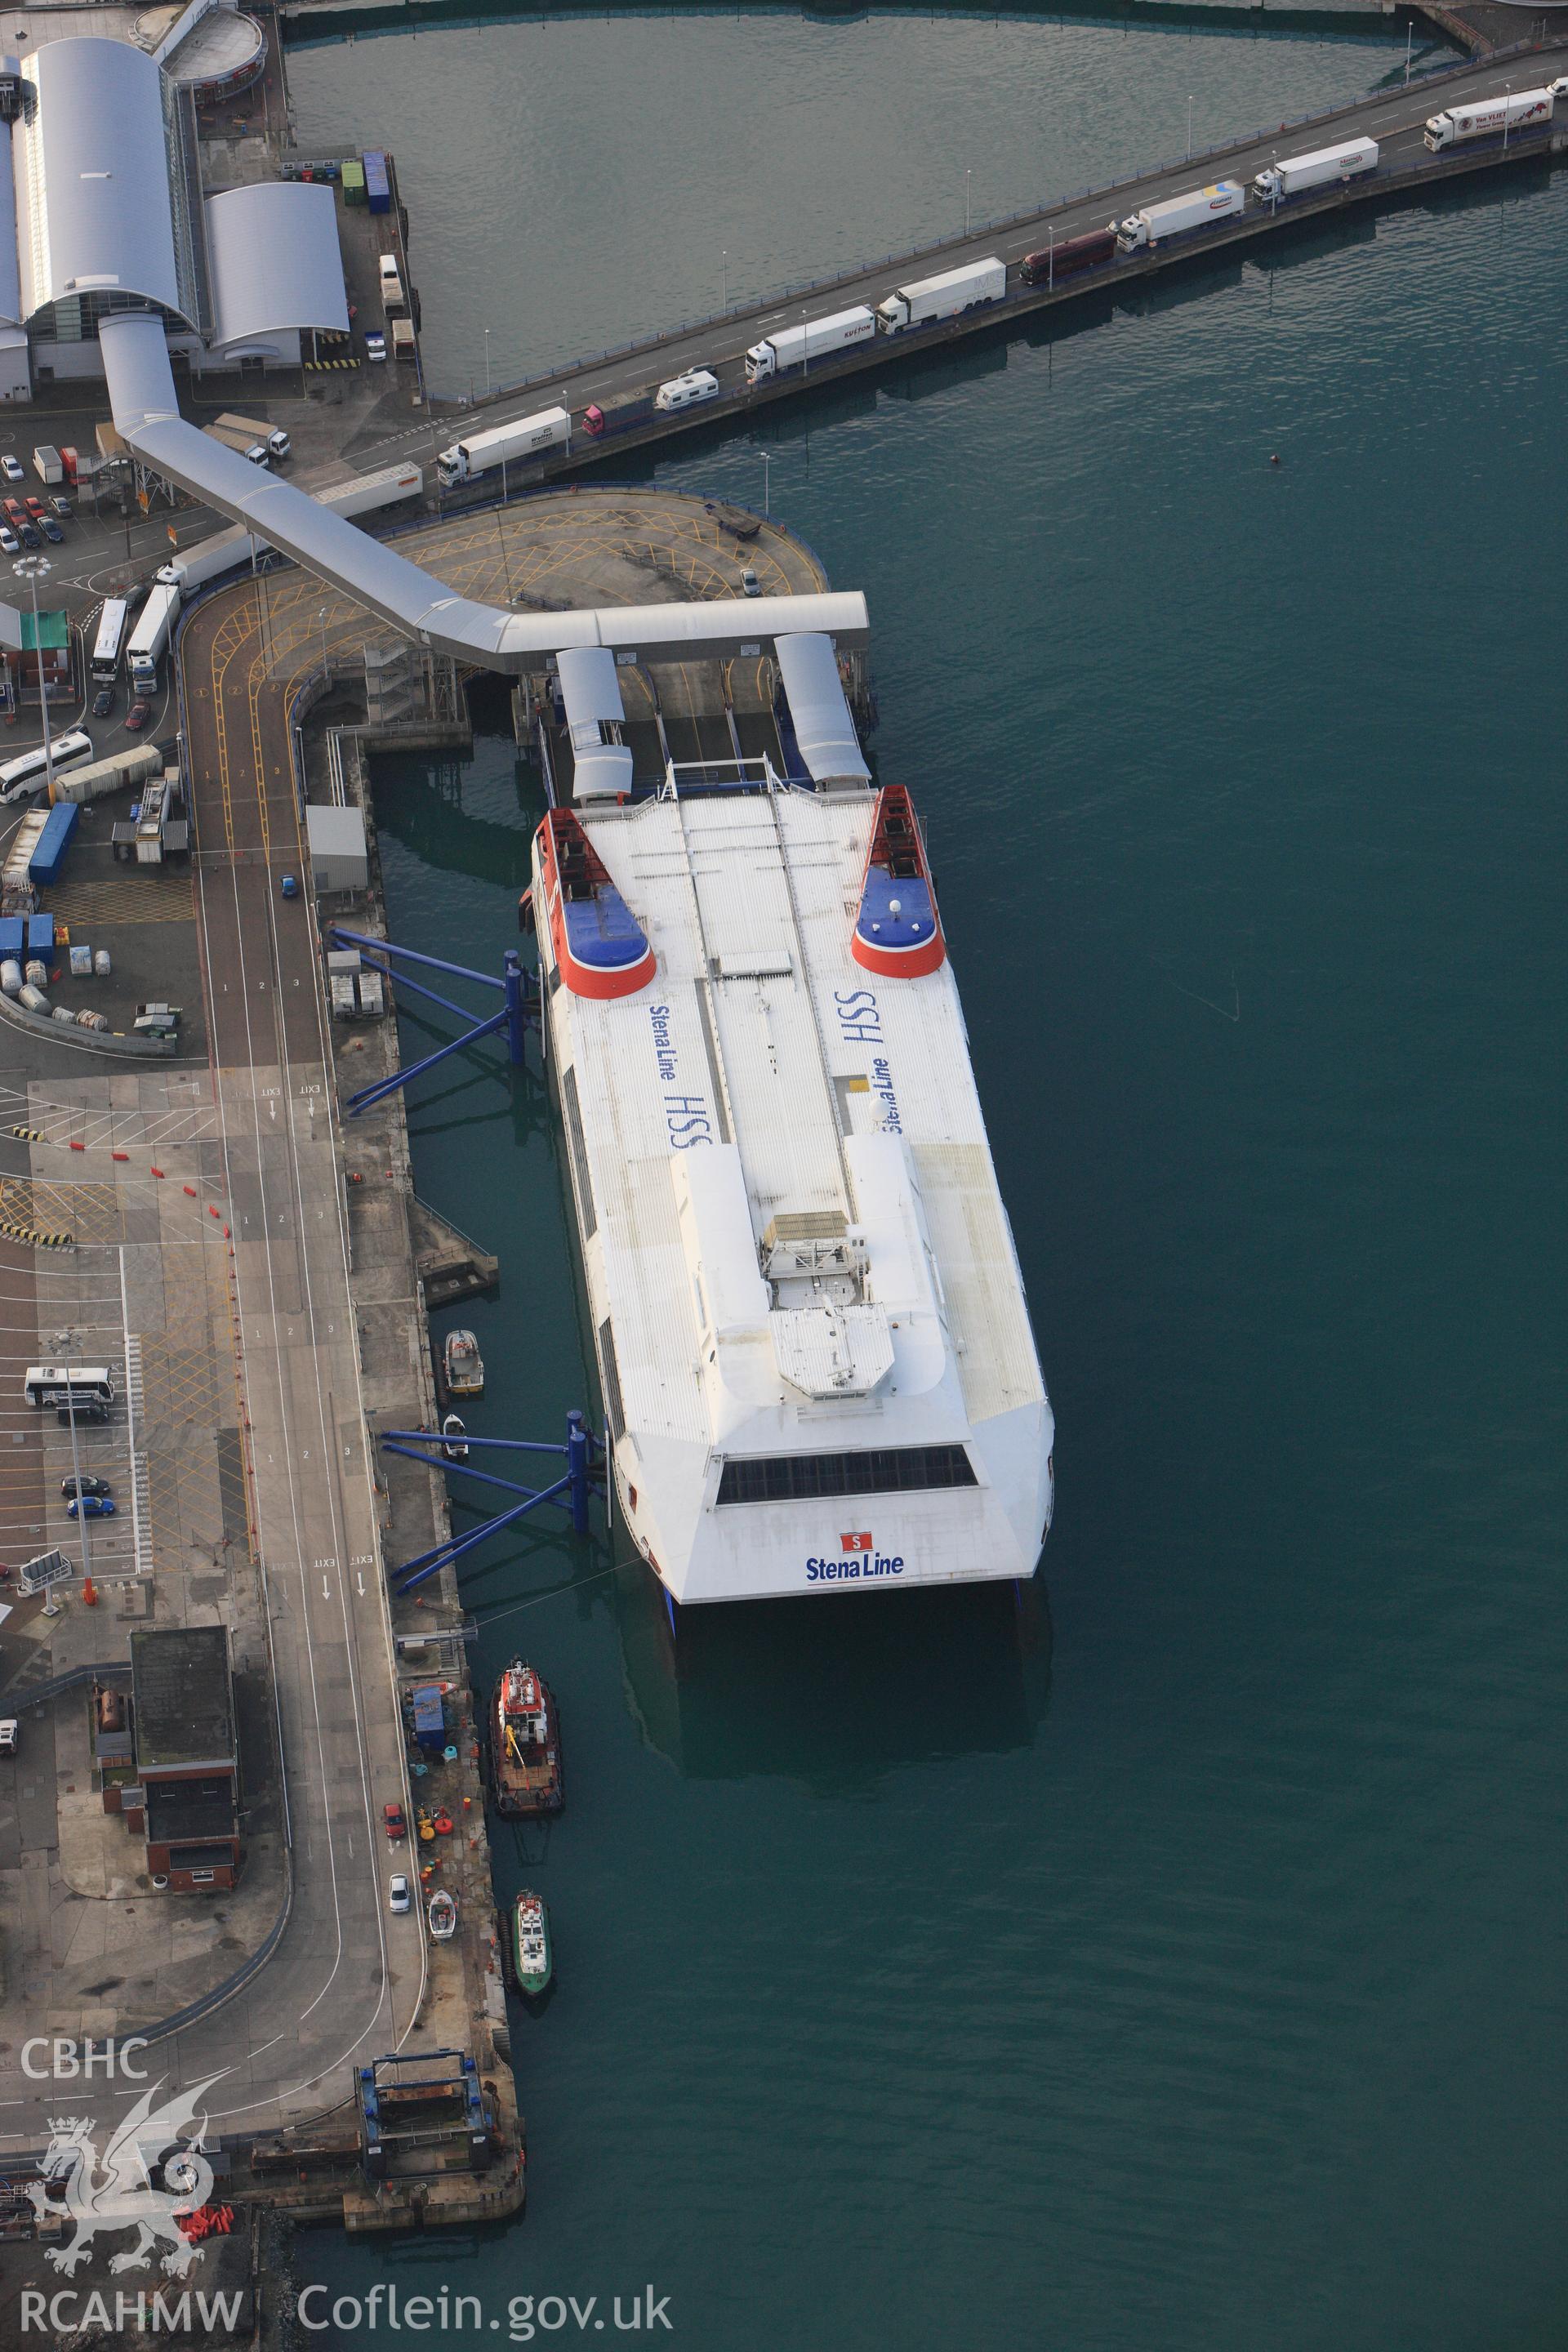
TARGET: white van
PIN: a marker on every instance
(685, 391)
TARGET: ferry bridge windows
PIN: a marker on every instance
(819, 1477)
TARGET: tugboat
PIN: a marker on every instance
(462, 1365)
(453, 1438)
(443, 1916)
(532, 1963)
(526, 1777)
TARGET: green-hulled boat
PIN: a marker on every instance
(532, 1963)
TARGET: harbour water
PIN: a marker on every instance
(1192, 1982)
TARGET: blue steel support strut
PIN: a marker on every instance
(512, 1444)
(464, 1011)
(428, 1564)
(516, 1006)
(577, 1469)
(464, 1470)
(437, 963)
(368, 1094)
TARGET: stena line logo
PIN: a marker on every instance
(859, 1558)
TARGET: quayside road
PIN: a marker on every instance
(1406, 169)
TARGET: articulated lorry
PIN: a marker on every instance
(272, 437)
(1054, 262)
(616, 415)
(484, 452)
(1488, 117)
(946, 296)
(1199, 208)
(814, 339)
(101, 776)
(150, 638)
(1294, 174)
(246, 444)
(227, 550)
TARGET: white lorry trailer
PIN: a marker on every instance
(1488, 117)
(101, 776)
(925, 300)
(483, 453)
(1199, 208)
(814, 339)
(150, 638)
(272, 437)
(246, 444)
(1294, 174)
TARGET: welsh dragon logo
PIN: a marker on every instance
(153, 2173)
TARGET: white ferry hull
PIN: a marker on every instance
(761, 1072)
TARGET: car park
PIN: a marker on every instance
(397, 1893)
(84, 1486)
(90, 1507)
(103, 702)
(396, 1827)
(138, 715)
(11, 468)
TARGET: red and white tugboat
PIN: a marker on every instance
(526, 1778)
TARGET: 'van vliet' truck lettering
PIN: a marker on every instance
(871, 1563)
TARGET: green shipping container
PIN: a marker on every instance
(354, 181)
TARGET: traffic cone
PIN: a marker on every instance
(89, 1593)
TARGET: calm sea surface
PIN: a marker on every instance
(1193, 1981)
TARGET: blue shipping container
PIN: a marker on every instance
(41, 937)
(430, 1717)
(377, 186)
(12, 938)
(53, 844)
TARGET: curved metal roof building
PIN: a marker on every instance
(272, 251)
(106, 184)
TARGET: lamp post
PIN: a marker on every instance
(1507, 94)
(32, 568)
(724, 281)
(487, 362)
(1189, 130)
(65, 1342)
(966, 180)
(322, 624)
(767, 503)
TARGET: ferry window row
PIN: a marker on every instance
(810, 1477)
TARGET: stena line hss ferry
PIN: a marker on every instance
(813, 1342)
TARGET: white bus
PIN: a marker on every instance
(70, 1384)
(110, 636)
(29, 771)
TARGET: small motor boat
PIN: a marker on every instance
(532, 1959)
(463, 1365)
(443, 1916)
(453, 1438)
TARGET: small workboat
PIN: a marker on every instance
(463, 1365)
(443, 1916)
(526, 1775)
(531, 1961)
(453, 1438)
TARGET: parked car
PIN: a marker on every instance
(52, 531)
(103, 702)
(396, 1827)
(10, 1733)
(750, 584)
(374, 344)
(397, 1893)
(8, 540)
(90, 1507)
(138, 715)
(35, 507)
(64, 508)
(11, 468)
(84, 1486)
(29, 534)
(14, 512)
